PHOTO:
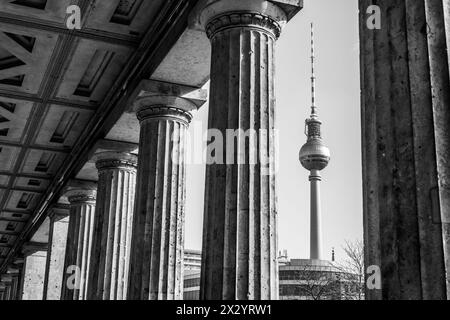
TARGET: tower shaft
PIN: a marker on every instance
(315, 215)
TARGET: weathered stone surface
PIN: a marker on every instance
(110, 256)
(156, 270)
(5, 291)
(240, 223)
(406, 143)
(59, 224)
(15, 285)
(33, 282)
(19, 264)
(79, 244)
(11, 282)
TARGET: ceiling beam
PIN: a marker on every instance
(16, 211)
(33, 247)
(55, 27)
(9, 233)
(23, 96)
(13, 220)
(24, 175)
(36, 147)
(21, 189)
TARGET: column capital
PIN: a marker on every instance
(19, 261)
(236, 19)
(30, 248)
(156, 100)
(272, 15)
(160, 112)
(115, 160)
(6, 278)
(103, 145)
(13, 270)
(77, 196)
(58, 212)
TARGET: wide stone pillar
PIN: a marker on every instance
(13, 277)
(109, 267)
(79, 243)
(35, 260)
(59, 223)
(15, 286)
(406, 148)
(156, 270)
(19, 274)
(7, 284)
(240, 223)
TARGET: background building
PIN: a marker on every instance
(300, 279)
(306, 279)
(192, 266)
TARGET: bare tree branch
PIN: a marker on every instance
(352, 268)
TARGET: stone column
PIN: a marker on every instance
(406, 148)
(19, 265)
(59, 222)
(112, 232)
(157, 241)
(35, 256)
(240, 223)
(79, 243)
(7, 283)
(8, 291)
(14, 274)
(15, 286)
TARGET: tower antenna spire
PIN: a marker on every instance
(314, 157)
(313, 76)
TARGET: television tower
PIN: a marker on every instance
(314, 157)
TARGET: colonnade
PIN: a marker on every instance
(125, 237)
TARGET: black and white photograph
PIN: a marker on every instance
(224, 158)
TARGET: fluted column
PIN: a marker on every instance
(15, 274)
(112, 232)
(79, 243)
(20, 267)
(406, 148)
(158, 228)
(240, 223)
(35, 257)
(59, 222)
(15, 287)
(7, 283)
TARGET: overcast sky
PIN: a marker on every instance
(337, 71)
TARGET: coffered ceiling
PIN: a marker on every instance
(55, 83)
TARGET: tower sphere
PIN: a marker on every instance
(314, 155)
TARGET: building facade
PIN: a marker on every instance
(306, 279)
(192, 272)
(300, 279)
